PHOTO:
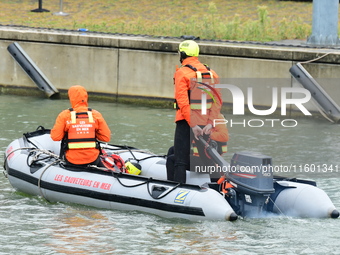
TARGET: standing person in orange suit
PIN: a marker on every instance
(191, 80)
(80, 128)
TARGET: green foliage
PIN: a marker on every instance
(250, 20)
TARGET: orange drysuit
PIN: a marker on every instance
(78, 99)
(184, 79)
(220, 131)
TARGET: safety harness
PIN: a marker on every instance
(202, 78)
(82, 133)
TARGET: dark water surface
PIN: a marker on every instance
(31, 225)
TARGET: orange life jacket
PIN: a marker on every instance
(82, 133)
(202, 84)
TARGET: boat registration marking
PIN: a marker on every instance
(82, 182)
(181, 196)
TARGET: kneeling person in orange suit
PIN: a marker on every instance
(80, 127)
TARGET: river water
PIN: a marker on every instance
(31, 225)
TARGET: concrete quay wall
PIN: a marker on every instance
(120, 66)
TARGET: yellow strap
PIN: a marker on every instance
(199, 76)
(73, 117)
(212, 77)
(82, 145)
(89, 114)
(199, 106)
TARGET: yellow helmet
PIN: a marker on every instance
(190, 48)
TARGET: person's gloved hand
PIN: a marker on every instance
(207, 129)
(197, 131)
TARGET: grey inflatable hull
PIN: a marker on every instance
(199, 199)
(107, 189)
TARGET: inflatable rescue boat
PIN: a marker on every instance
(33, 166)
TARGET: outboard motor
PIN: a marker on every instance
(252, 177)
